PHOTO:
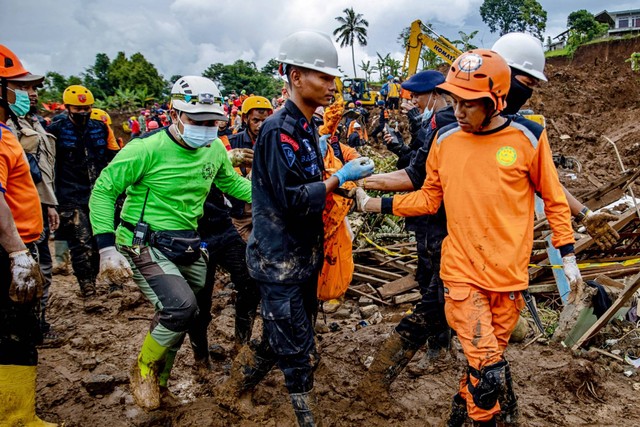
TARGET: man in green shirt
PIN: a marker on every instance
(166, 176)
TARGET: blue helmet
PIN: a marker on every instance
(381, 103)
(389, 77)
(424, 81)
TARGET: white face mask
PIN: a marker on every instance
(197, 136)
(428, 112)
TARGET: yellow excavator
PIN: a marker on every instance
(418, 38)
(360, 86)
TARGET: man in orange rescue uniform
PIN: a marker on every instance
(486, 169)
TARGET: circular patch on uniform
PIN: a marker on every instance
(506, 156)
(470, 62)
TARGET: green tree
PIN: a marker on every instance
(464, 43)
(583, 28)
(96, 77)
(135, 74)
(505, 16)
(243, 75)
(367, 69)
(430, 60)
(381, 65)
(271, 67)
(353, 28)
(54, 85)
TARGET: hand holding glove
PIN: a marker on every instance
(324, 144)
(572, 272)
(114, 267)
(597, 225)
(361, 198)
(356, 169)
(241, 157)
(26, 277)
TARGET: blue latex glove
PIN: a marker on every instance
(324, 144)
(356, 169)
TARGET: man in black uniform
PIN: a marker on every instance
(285, 249)
(81, 154)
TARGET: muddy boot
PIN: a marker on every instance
(168, 399)
(509, 412)
(243, 329)
(389, 361)
(87, 288)
(247, 370)
(144, 385)
(458, 414)
(305, 406)
(18, 397)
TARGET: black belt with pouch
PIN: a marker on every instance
(179, 246)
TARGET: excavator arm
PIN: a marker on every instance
(419, 38)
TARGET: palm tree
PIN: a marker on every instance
(353, 28)
(368, 69)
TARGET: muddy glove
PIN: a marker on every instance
(324, 144)
(361, 198)
(241, 157)
(356, 169)
(572, 272)
(597, 225)
(114, 267)
(26, 277)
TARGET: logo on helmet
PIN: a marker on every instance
(82, 98)
(470, 62)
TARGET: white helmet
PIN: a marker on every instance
(198, 97)
(310, 49)
(522, 52)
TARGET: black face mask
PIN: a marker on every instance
(80, 119)
(518, 95)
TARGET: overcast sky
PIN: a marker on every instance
(186, 36)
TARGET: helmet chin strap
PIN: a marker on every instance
(488, 119)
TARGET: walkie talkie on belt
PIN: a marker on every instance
(141, 232)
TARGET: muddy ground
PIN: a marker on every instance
(84, 382)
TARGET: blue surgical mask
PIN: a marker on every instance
(428, 112)
(22, 103)
(197, 136)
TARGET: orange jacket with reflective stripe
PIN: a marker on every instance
(488, 182)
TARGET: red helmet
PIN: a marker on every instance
(152, 125)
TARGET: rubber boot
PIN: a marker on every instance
(247, 370)
(509, 412)
(389, 361)
(458, 414)
(145, 385)
(18, 397)
(305, 406)
(243, 329)
(87, 287)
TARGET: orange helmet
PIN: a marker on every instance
(10, 65)
(479, 73)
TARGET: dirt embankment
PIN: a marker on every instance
(595, 94)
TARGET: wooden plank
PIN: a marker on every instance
(397, 264)
(410, 297)
(584, 243)
(377, 272)
(607, 281)
(544, 288)
(371, 279)
(604, 319)
(399, 286)
(364, 294)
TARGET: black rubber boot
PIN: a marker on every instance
(243, 329)
(305, 408)
(458, 414)
(490, 423)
